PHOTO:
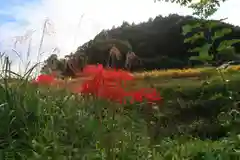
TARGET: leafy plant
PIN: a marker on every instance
(206, 52)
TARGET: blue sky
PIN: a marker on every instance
(72, 29)
(6, 18)
(7, 5)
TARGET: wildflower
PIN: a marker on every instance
(44, 79)
(107, 74)
(93, 69)
(117, 75)
(116, 94)
(90, 87)
(147, 94)
(106, 84)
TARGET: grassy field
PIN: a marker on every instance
(198, 119)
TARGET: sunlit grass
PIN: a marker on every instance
(234, 67)
(174, 73)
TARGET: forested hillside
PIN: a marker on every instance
(159, 42)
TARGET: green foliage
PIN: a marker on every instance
(205, 53)
(191, 123)
(228, 54)
(195, 110)
(227, 44)
(35, 125)
(188, 28)
(221, 33)
(202, 8)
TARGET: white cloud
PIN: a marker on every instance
(230, 10)
(66, 15)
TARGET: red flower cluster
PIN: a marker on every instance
(44, 79)
(109, 84)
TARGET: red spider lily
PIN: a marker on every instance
(153, 97)
(92, 69)
(105, 85)
(117, 75)
(148, 94)
(90, 87)
(116, 94)
(107, 74)
(44, 79)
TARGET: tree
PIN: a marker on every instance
(202, 8)
(50, 64)
(125, 24)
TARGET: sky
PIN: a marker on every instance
(74, 22)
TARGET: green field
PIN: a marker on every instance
(198, 119)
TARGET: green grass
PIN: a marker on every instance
(196, 120)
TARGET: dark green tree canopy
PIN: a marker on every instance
(159, 42)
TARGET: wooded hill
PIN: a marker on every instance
(158, 42)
